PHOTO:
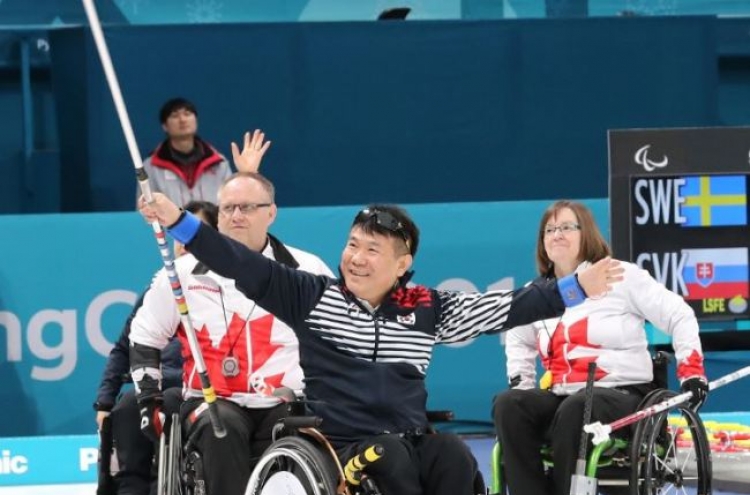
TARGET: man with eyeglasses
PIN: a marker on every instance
(366, 339)
(251, 356)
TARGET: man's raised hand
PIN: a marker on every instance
(253, 149)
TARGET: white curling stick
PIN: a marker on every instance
(601, 432)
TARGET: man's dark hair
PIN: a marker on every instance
(173, 105)
(390, 221)
(206, 208)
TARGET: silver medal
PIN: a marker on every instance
(230, 366)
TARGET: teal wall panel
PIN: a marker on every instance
(406, 112)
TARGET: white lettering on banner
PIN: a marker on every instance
(87, 457)
(13, 464)
(461, 284)
(13, 330)
(94, 317)
(663, 204)
(667, 269)
(457, 284)
(60, 326)
(66, 350)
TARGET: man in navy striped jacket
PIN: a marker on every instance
(366, 339)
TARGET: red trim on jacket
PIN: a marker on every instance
(691, 366)
(209, 157)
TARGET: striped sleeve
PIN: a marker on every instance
(465, 315)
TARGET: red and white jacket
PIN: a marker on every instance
(226, 324)
(610, 331)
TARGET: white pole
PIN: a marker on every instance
(209, 393)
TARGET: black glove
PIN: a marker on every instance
(699, 387)
(152, 419)
(514, 381)
(149, 404)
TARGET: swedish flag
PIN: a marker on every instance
(716, 200)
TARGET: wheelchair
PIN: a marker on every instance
(117, 455)
(301, 461)
(651, 461)
(179, 467)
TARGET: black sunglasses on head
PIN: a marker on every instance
(385, 220)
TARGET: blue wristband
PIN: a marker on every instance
(186, 228)
(570, 290)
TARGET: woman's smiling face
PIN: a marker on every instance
(562, 240)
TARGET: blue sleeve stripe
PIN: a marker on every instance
(186, 228)
(570, 290)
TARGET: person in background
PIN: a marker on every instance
(184, 166)
(207, 211)
(249, 353)
(607, 330)
(366, 339)
(134, 452)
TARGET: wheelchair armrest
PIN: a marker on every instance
(660, 362)
(295, 422)
(440, 416)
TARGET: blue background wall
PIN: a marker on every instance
(205, 11)
(509, 102)
(417, 112)
(570, 78)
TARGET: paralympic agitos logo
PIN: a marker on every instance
(641, 158)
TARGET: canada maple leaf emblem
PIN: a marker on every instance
(563, 344)
(234, 342)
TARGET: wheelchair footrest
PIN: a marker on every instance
(582, 485)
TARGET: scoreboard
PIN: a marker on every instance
(679, 209)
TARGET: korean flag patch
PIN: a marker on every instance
(409, 319)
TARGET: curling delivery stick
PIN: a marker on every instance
(580, 484)
(601, 432)
(209, 394)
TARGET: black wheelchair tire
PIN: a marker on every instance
(302, 455)
(659, 465)
(169, 467)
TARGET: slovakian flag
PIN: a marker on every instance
(720, 273)
(714, 201)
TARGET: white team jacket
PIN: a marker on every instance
(609, 330)
(226, 324)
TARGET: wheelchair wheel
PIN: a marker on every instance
(480, 488)
(170, 460)
(661, 464)
(294, 465)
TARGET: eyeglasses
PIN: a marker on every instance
(245, 208)
(564, 228)
(385, 220)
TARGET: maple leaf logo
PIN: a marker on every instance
(234, 341)
(562, 345)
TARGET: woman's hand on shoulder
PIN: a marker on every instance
(598, 279)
